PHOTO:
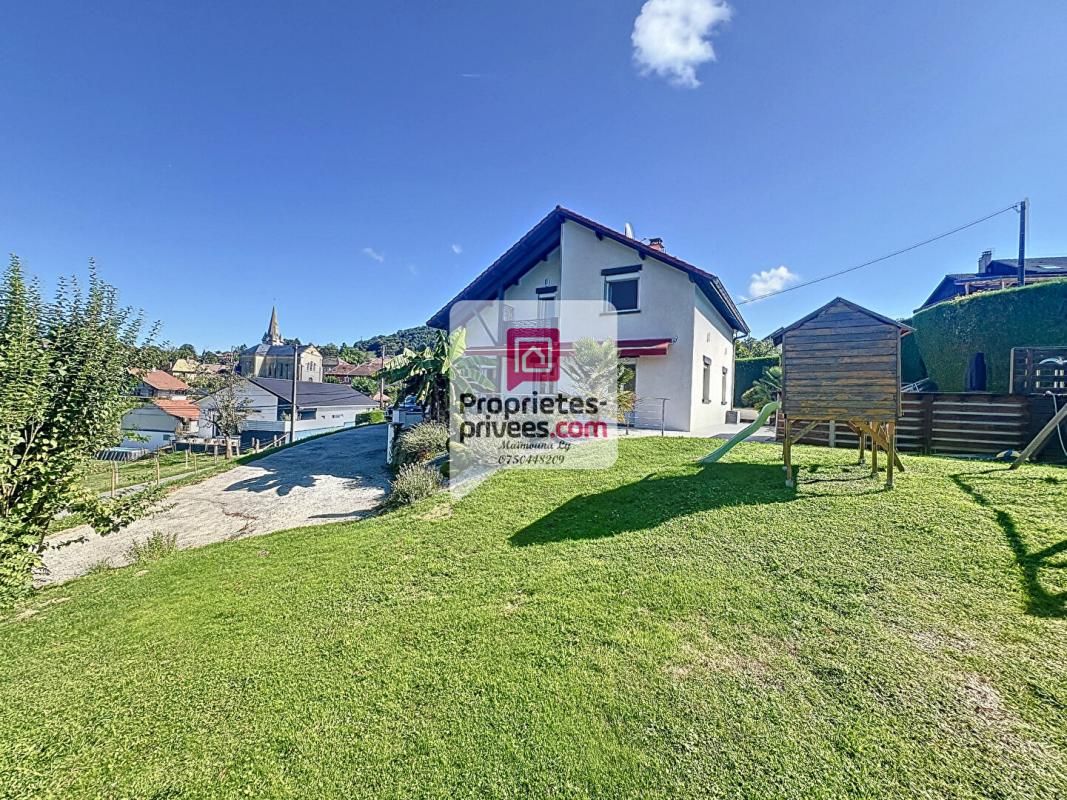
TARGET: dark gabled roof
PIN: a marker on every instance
(313, 394)
(544, 237)
(776, 337)
(1049, 266)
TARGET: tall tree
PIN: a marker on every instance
(64, 386)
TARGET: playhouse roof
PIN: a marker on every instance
(776, 337)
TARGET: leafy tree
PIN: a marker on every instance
(353, 355)
(230, 406)
(329, 350)
(185, 351)
(64, 387)
(751, 347)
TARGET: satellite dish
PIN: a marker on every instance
(628, 229)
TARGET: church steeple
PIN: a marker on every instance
(273, 334)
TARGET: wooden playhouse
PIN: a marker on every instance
(841, 363)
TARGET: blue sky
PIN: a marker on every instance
(332, 158)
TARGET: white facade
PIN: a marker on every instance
(268, 414)
(691, 385)
(154, 427)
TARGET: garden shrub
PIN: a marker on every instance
(414, 482)
(376, 416)
(422, 442)
(747, 371)
(949, 334)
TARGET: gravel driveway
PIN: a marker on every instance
(337, 477)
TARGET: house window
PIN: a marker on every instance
(546, 306)
(706, 391)
(621, 293)
(725, 384)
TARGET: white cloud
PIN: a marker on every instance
(457, 249)
(671, 37)
(370, 252)
(772, 280)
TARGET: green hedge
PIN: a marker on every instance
(912, 367)
(949, 334)
(749, 370)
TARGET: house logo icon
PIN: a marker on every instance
(532, 355)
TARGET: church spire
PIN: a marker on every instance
(273, 334)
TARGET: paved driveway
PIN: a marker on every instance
(337, 477)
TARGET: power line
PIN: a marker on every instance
(1012, 207)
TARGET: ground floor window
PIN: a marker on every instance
(706, 383)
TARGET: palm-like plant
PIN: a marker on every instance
(595, 371)
(430, 374)
(765, 389)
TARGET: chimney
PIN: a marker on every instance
(656, 243)
(984, 261)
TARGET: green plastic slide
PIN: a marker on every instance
(764, 415)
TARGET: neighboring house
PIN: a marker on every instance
(676, 322)
(321, 407)
(273, 358)
(184, 368)
(996, 274)
(159, 422)
(341, 371)
(157, 383)
(369, 369)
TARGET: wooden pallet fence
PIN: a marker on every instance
(946, 424)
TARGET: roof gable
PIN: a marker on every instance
(544, 237)
(777, 336)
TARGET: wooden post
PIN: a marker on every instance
(187, 459)
(787, 454)
(114, 478)
(863, 446)
(157, 469)
(1041, 438)
(891, 438)
(874, 451)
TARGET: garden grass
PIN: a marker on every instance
(660, 629)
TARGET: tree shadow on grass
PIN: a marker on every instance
(1040, 601)
(656, 499)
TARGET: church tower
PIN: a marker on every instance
(273, 334)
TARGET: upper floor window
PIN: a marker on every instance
(622, 292)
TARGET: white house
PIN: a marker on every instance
(676, 322)
(321, 407)
(159, 422)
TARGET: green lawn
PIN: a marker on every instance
(656, 630)
(143, 471)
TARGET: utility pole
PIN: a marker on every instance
(381, 379)
(1023, 206)
(292, 409)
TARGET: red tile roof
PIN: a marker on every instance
(182, 409)
(370, 368)
(164, 381)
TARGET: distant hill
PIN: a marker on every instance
(413, 338)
